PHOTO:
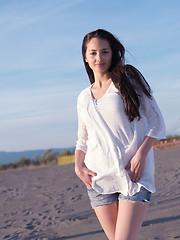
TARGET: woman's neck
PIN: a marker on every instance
(101, 79)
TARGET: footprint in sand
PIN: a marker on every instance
(32, 224)
(45, 204)
(58, 208)
(72, 189)
(77, 198)
(27, 212)
(29, 226)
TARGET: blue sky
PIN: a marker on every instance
(41, 68)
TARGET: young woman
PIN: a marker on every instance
(119, 121)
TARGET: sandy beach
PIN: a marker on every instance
(51, 203)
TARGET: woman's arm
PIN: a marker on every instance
(81, 147)
(137, 163)
(155, 130)
(79, 159)
(81, 171)
(155, 121)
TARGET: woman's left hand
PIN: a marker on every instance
(136, 166)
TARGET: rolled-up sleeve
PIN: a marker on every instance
(82, 131)
(155, 121)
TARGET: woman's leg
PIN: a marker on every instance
(107, 216)
(129, 219)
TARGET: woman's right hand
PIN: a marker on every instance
(85, 175)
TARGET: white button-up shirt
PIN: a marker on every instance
(110, 140)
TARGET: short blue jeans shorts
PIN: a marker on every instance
(97, 199)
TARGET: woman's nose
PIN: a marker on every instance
(99, 56)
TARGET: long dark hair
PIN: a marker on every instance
(127, 79)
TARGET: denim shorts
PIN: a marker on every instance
(97, 199)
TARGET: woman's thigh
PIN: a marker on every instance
(106, 209)
(129, 219)
(107, 216)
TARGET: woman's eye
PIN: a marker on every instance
(105, 52)
(93, 53)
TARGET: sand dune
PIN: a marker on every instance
(51, 203)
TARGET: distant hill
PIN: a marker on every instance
(7, 157)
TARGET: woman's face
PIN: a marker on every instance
(98, 55)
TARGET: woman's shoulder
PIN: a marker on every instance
(84, 93)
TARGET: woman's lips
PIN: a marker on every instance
(100, 64)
